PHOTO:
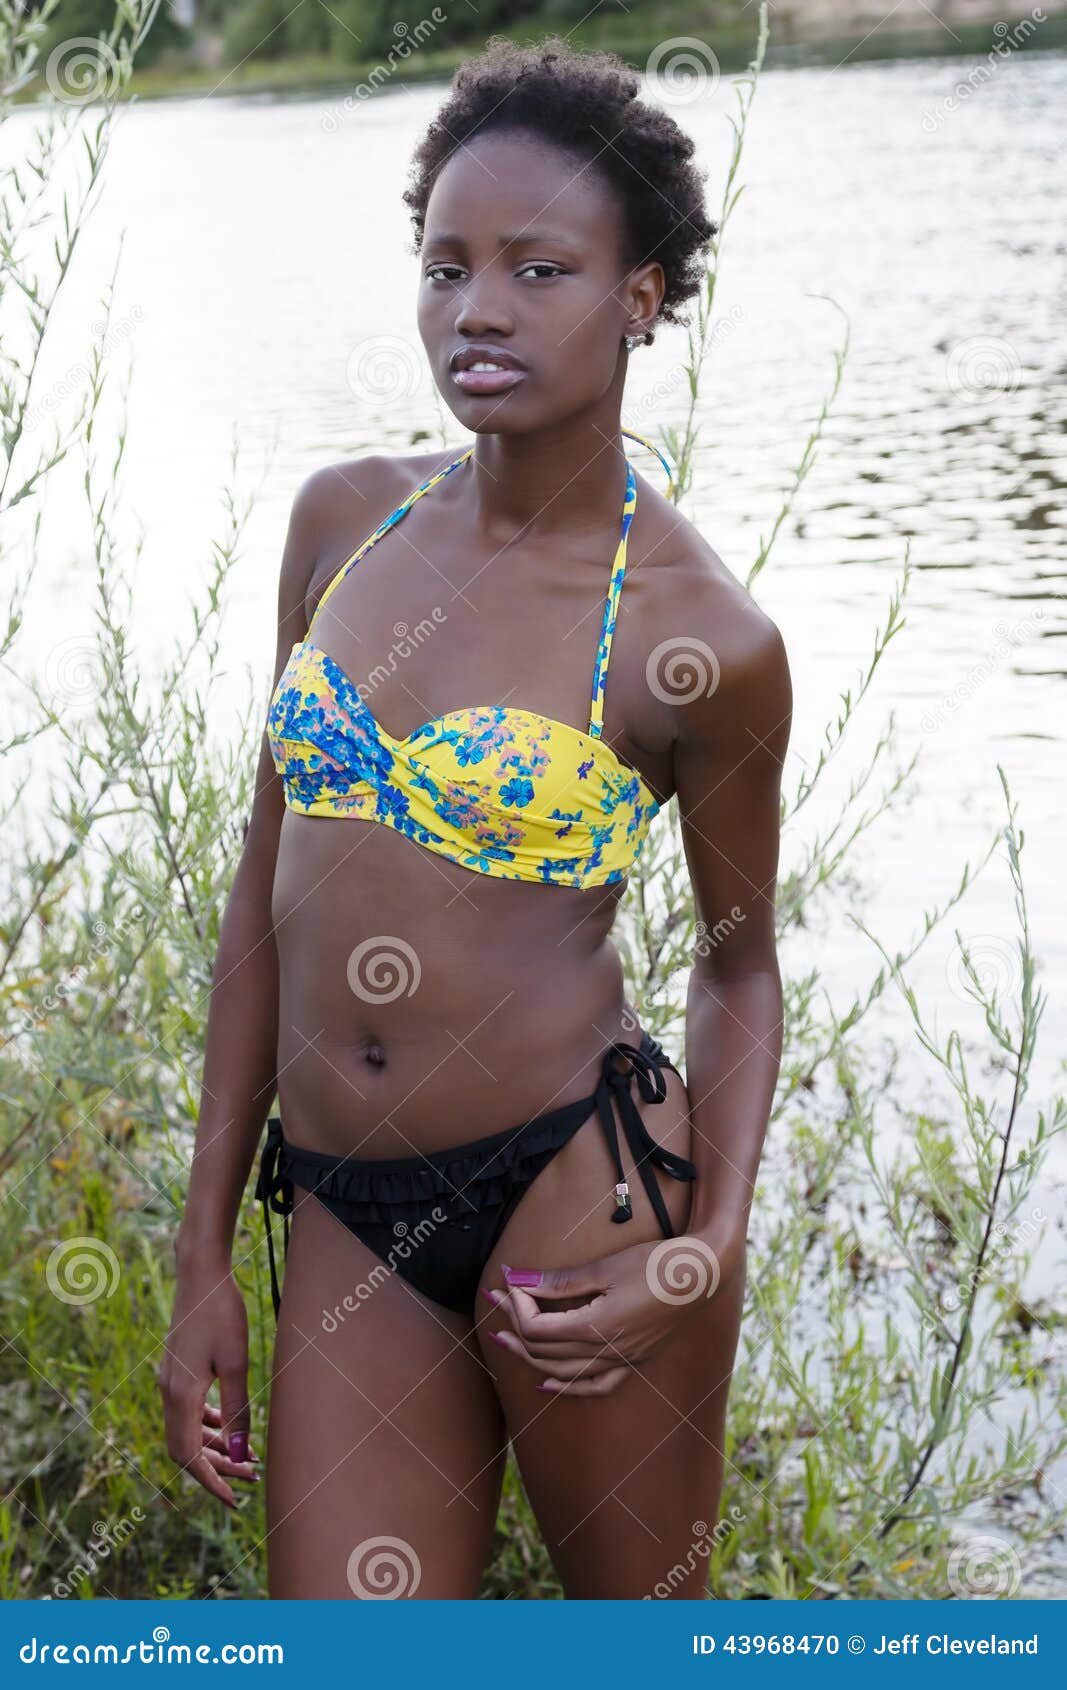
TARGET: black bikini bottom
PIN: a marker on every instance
(435, 1218)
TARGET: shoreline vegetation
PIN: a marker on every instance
(219, 61)
(898, 1412)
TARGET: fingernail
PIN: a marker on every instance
(497, 1339)
(515, 1277)
(238, 1446)
(545, 1386)
(491, 1295)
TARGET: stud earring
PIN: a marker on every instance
(633, 341)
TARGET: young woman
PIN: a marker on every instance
(416, 956)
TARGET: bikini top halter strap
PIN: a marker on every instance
(618, 568)
(390, 522)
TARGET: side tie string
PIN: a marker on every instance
(652, 1085)
(275, 1191)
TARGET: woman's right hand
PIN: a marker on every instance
(208, 1339)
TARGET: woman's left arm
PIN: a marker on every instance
(729, 747)
(728, 765)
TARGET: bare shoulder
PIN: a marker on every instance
(708, 640)
(334, 510)
(354, 496)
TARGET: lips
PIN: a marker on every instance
(484, 368)
(484, 352)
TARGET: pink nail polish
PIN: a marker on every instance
(490, 1296)
(238, 1446)
(497, 1339)
(515, 1277)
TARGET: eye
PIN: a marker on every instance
(544, 266)
(432, 272)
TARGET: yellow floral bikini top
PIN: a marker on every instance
(502, 791)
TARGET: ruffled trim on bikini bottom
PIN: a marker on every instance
(368, 1188)
(481, 1174)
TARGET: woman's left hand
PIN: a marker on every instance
(635, 1300)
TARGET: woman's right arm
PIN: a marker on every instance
(208, 1336)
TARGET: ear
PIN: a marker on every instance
(642, 294)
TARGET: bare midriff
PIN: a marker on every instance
(423, 1004)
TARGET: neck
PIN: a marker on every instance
(566, 478)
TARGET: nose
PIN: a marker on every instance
(481, 310)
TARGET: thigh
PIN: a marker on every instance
(386, 1444)
(625, 1487)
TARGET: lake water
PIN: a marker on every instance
(267, 292)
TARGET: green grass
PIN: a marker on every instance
(631, 36)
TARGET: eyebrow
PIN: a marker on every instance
(530, 233)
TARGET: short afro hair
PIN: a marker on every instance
(587, 105)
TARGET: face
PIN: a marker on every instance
(523, 267)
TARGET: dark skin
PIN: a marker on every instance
(399, 1423)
